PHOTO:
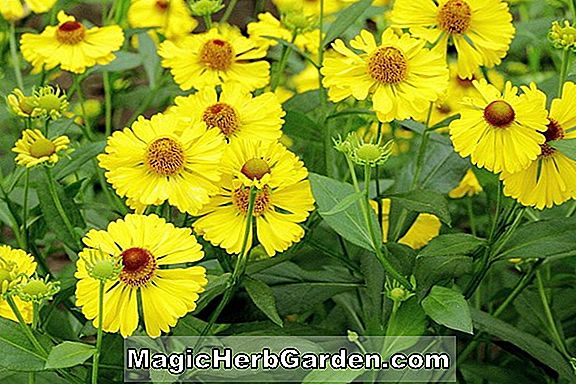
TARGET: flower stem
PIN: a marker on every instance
(228, 11)
(281, 64)
(59, 207)
(87, 129)
(99, 334)
(108, 103)
(422, 150)
(25, 328)
(25, 208)
(471, 215)
(551, 326)
(563, 70)
(15, 58)
(208, 22)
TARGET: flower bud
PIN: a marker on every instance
(204, 8)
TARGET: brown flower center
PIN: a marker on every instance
(162, 5)
(255, 169)
(42, 147)
(241, 199)
(554, 132)
(465, 83)
(70, 32)
(454, 16)
(499, 114)
(388, 65)
(217, 54)
(138, 266)
(165, 156)
(221, 116)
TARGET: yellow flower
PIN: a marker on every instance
(235, 112)
(268, 25)
(71, 45)
(220, 55)
(402, 76)
(154, 255)
(551, 178)
(22, 105)
(164, 159)
(481, 31)
(501, 132)
(310, 7)
(283, 198)
(34, 148)
(469, 186)
(13, 10)
(15, 267)
(171, 17)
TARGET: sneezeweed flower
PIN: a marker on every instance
(218, 56)
(283, 198)
(204, 8)
(172, 18)
(500, 132)
(71, 45)
(34, 148)
(468, 186)
(400, 137)
(154, 257)
(551, 178)
(51, 102)
(370, 153)
(15, 267)
(37, 290)
(310, 7)
(235, 112)
(164, 159)
(481, 31)
(562, 37)
(400, 75)
(13, 10)
(22, 105)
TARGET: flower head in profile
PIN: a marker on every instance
(16, 266)
(468, 186)
(236, 113)
(283, 198)
(156, 285)
(551, 178)
(51, 102)
(401, 76)
(71, 45)
(562, 36)
(164, 159)
(500, 131)
(22, 105)
(362, 152)
(34, 148)
(13, 10)
(481, 31)
(172, 18)
(221, 55)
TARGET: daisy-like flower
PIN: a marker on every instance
(171, 17)
(500, 132)
(22, 105)
(400, 74)
(468, 186)
(481, 30)
(51, 101)
(154, 256)
(310, 7)
(283, 198)
(212, 58)
(13, 10)
(34, 148)
(235, 112)
(164, 159)
(15, 267)
(551, 178)
(71, 45)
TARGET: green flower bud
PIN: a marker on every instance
(101, 266)
(562, 37)
(51, 102)
(206, 7)
(38, 290)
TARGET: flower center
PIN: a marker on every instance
(369, 152)
(554, 132)
(49, 102)
(35, 287)
(387, 65)
(42, 147)
(217, 54)
(499, 114)
(162, 5)
(221, 116)
(138, 266)
(465, 83)
(454, 16)
(71, 32)
(165, 156)
(255, 169)
(241, 198)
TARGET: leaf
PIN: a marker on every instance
(345, 19)
(544, 238)
(532, 345)
(123, 61)
(410, 320)
(566, 146)
(452, 244)
(18, 353)
(150, 59)
(263, 296)
(344, 204)
(430, 270)
(307, 139)
(331, 375)
(78, 158)
(69, 354)
(349, 223)
(449, 308)
(216, 286)
(424, 202)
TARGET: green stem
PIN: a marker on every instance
(108, 102)
(99, 334)
(87, 129)
(551, 326)
(25, 328)
(422, 150)
(563, 70)
(471, 215)
(15, 58)
(228, 11)
(208, 22)
(59, 207)
(25, 208)
(286, 49)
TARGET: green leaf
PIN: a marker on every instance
(69, 354)
(18, 353)
(216, 286)
(123, 61)
(150, 58)
(410, 320)
(263, 296)
(344, 204)
(424, 202)
(331, 375)
(452, 244)
(306, 137)
(345, 19)
(532, 345)
(567, 147)
(349, 223)
(449, 308)
(544, 238)
(430, 270)
(82, 155)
